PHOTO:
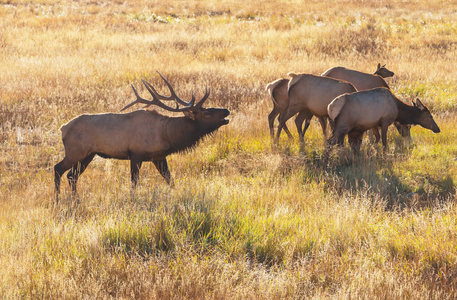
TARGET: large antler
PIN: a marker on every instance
(157, 102)
(156, 96)
(173, 95)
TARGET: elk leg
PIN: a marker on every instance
(330, 143)
(339, 132)
(376, 134)
(162, 167)
(384, 128)
(286, 130)
(283, 117)
(305, 116)
(323, 122)
(135, 166)
(355, 140)
(77, 170)
(302, 116)
(332, 124)
(338, 135)
(271, 120)
(59, 170)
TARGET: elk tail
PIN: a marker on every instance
(294, 78)
(292, 74)
(64, 130)
(334, 108)
(270, 88)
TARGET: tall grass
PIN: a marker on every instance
(246, 219)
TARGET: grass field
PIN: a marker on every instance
(246, 220)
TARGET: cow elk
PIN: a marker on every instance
(310, 95)
(355, 113)
(361, 80)
(138, 136)
(365, 81)
(278, 91)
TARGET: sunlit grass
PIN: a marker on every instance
(246, 219)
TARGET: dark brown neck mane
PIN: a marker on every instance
(190, 134)
(407, 114)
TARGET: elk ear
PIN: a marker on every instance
(190, 114)
(379, 66)
(419, 104)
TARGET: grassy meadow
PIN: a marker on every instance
(246, 219)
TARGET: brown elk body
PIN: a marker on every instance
(361, 80)
(357, 112)
(278, 91)
(365, 81)
(310, 95)
(142, 135)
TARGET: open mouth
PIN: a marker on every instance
(226, 121)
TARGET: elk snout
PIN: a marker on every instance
(225, 114)
(219, 114)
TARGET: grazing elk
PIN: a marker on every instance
(142, 135)
(278, 91)
(362, 81)
(357, 112)
(365, 81)
(310, 95)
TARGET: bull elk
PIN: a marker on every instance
(355, 113)
(141, 135)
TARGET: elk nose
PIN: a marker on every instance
(436, 129)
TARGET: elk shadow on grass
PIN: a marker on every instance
(377, 176)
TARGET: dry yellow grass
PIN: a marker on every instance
(245, 220)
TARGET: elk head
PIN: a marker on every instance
(424, 118)
(210, 119)
(383, 71)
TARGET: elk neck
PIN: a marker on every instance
(407, 114)
(183, 134)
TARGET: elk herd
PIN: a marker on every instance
(352, 102)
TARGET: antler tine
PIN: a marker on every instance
(138, 100)
(161, 97)
(173, 94)
(207, 92)
(153, 91)
(157, 102)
